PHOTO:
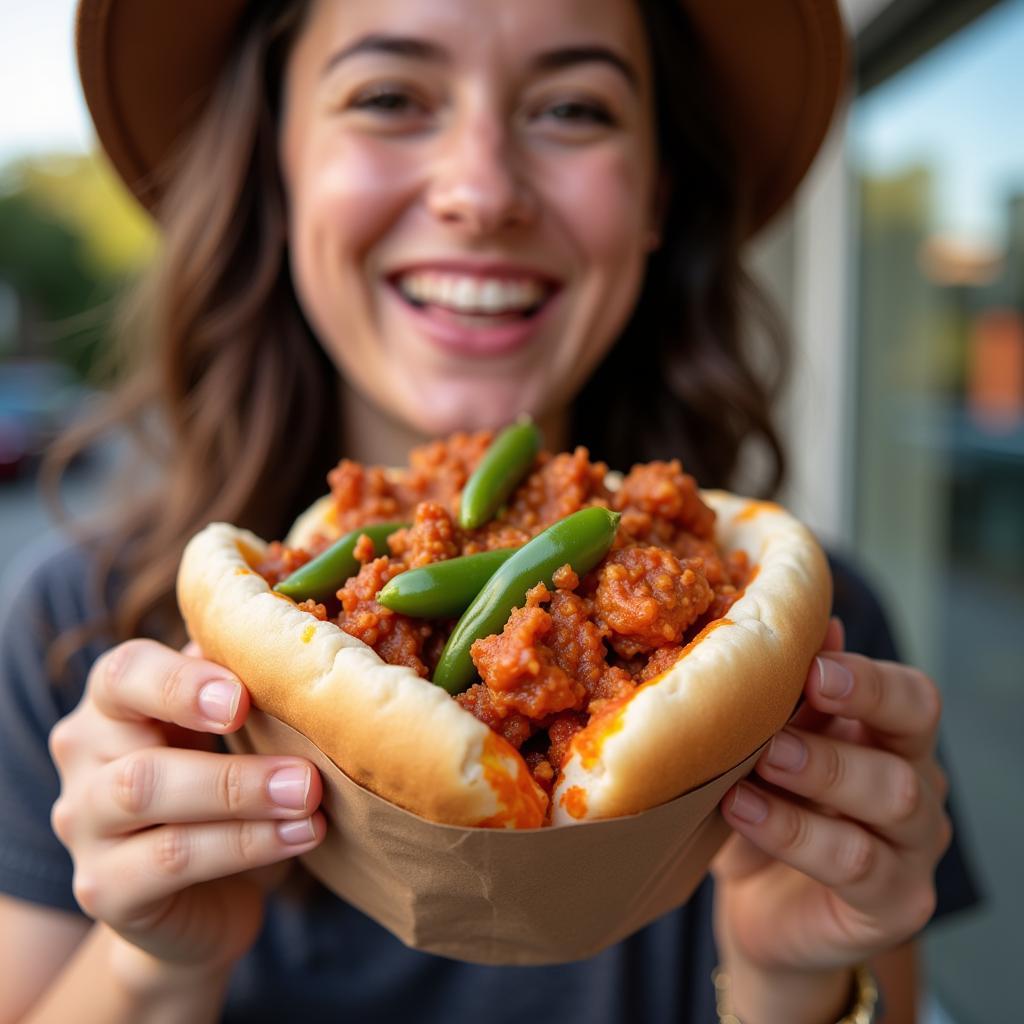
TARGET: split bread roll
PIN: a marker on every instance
(409, 742)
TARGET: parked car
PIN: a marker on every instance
(38, 399)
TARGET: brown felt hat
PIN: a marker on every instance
(780, 66)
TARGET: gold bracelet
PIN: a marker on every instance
(862, 1006)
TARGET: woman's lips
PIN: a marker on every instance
(474, 335)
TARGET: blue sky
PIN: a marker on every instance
(41, 107)
(960, 110)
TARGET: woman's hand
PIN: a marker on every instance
(838, 836)
(164, 832)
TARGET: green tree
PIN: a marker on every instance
(70, 240)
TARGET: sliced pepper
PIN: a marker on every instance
(442, 590)
(581, 540)
(504, 464)
(322, 576)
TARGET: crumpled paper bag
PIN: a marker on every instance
(491, 896)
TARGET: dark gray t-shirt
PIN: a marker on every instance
(317, 959)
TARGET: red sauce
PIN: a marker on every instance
(754, 508)
(588, 744)
(574, 800)
(521, 804)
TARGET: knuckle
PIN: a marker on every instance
(904, 794)
(63, 740)
(62, 819)
(874, 683)
(856, 857)
(922, 900)
(231, 786)
(175, 688)
(795, 832)
(248, 846)
(86, 889)
(172, 850)
(135, 782)
(107, 675)
(833, 768)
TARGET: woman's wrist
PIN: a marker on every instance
(107, 979)
(755, 996)
(148, 979)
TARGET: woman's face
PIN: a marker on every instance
(471, 197)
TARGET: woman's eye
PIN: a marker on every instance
(387, 101)
(577, 111)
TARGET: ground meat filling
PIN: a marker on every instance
(437, 473)
(363, 495)
(397, 639)
(513, 726)
(647, 598)
(521, 670)
(280, 562)
(562, 484)
(663, 493)
(567, 653)
(314, 608)
(431, 538)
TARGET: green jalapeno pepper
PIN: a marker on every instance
(581, 540)
(442, 590)
(504, 464)
(320, 577)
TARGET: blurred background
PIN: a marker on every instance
(900, 271)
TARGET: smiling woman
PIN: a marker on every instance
(384, 220)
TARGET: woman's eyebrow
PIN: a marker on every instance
(566, 56)
(399, 46)
(423, 49)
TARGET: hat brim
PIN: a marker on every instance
(780, 70)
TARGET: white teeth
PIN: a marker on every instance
(491, 296)
(469, 294)
(462, 294)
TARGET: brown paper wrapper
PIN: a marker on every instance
(495, 896)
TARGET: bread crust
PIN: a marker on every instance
(383, 725)
(407, 740)
(735, 685)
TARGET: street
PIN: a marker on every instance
(25, 515)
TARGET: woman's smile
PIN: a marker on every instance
(475, 310)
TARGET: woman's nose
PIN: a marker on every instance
(477, 185)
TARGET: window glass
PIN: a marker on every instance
(939, 484)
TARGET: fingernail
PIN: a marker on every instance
(748, 805)
(295, 833)
(218, 701)
(787, 752)
(835, 680)
(289, 787)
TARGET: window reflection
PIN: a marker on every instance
(939, 160)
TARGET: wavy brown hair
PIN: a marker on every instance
(698, 369)
(233, 403)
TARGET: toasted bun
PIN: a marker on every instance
(408, 741)
(383, 725)
(734, 686)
